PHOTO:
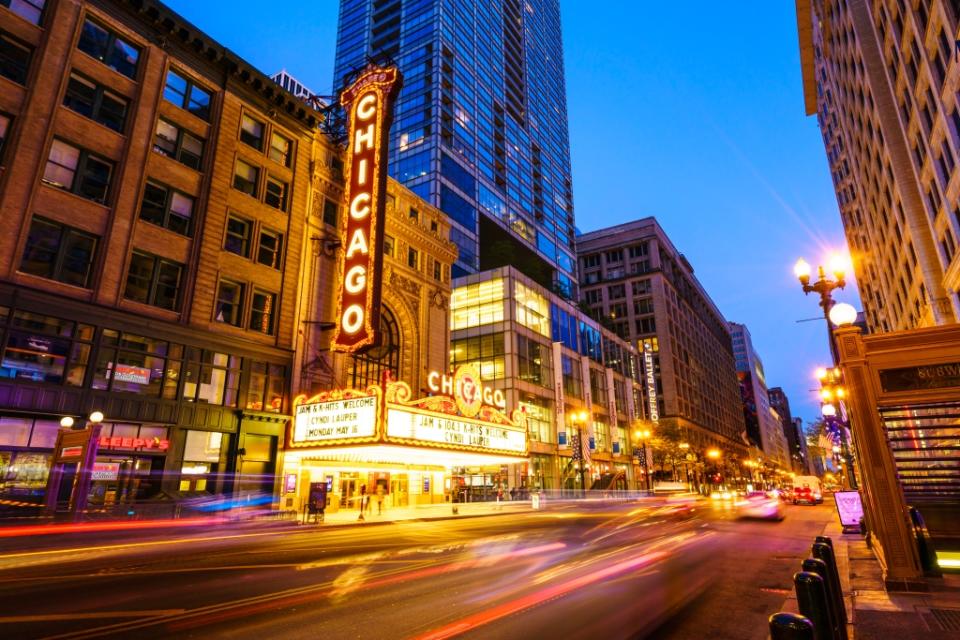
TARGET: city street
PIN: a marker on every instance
(574, 570)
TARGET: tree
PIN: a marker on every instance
(665, 447)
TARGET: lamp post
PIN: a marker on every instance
(832, 394)
(579, 418)
(642, 435)
(824, 287)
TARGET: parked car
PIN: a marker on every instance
(807, 490)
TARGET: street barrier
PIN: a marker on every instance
(790, 626)
(819, 567)
(824, 551)
(812, 602)
(928, 554)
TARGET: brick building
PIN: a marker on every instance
(154, 190)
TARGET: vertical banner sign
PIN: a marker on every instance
(369, 106)
(651, 382)
(559, 399)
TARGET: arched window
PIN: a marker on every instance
(367, 368)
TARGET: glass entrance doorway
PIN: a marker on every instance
(349, 490)
(399, 490)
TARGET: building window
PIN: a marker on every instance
(4, 129)
(78, 171)
(29, 10)
(368, 368)
(276, 193)
(14, 59)
(229, 305)
(532, 309)
(477, 304)
(414, 214)
(58, 252)
(641, 287)
(572, 377)
(265, 389)
(238, 236)
(330, 212)
(437, 271)
(132, 363)
(616, 292)
(153, 280)
(176, 143)
(615, 256)
(201, 460)
(262, 310)
(108, 48)
(211, 377)
(270, 248)
(643, 306)
(167, 208)
(413, 258)
(187, 95)
(388, 243)
(251, 132)
(646, 325)
(591, 261)
(89, 99)
(41, 348)
(246, 177)
(639, 250)
(486, 352)
(280, 147)
(534, 362)
(592, 296)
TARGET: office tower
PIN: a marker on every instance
(882, 78)
(481, 123)
(794, 436)
(764, 428)
(635, 282)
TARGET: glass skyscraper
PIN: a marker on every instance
(481, 123)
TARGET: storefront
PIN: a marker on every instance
(451, 447)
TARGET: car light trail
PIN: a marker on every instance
(533, 599)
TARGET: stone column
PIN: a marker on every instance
(884, 506)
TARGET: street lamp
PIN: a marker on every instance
(66, 422)
(96, 417)
(843, 314)
(579, 418)
(824, 287)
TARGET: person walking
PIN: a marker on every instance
(363, 500)
(380, 494)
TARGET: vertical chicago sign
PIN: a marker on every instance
(369, 106)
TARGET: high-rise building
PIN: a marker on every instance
(635, 282)
(481, 124)
(883, 78)
(763, 423)
(781, 404)
(294, 86)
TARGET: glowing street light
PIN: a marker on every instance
(824, 287)
(66, 422)
(714, 454)
(843, 314)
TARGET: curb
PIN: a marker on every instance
(374, 523)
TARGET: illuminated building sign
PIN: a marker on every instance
(451, 431)
(118, 442)
(129, 373)
(345, 418)
(465, 387)
(651, 382)
(105, 471)
(369, 106)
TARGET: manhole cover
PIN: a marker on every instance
(948, 619)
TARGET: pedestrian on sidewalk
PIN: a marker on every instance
(513, 493)
(380, 499)
(363, 500)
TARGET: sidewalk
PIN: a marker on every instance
(875, 614)
(442, 511)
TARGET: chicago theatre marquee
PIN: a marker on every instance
(377, 407)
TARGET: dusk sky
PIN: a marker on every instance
(689, 112)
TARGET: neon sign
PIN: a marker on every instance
(465, 387)
(118, 442)
(651, 383)
(369, 106)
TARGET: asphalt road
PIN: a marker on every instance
(574, 571)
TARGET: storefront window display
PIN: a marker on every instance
(201, 460)
(265, 390)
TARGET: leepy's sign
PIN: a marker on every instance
(319, 422)
(455, 432)
(369, 106)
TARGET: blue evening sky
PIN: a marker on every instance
(690, 112)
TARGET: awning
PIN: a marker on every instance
(399, 454)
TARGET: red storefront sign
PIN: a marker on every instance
(369, 105)
(117, 442)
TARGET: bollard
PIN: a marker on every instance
(827, 540)
(824, 552)
(812, 601)
(819, 567)
(790, 626)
